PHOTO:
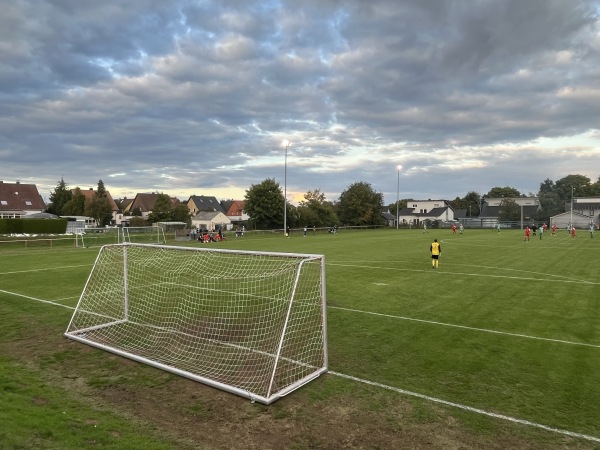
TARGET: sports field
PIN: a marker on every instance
(498, 348)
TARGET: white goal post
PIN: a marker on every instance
(250, 323)
(97, 237)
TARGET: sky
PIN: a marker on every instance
(198, 97)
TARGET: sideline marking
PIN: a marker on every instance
(409, 393)
(464, 327)
(44, 269)
(469, 408)
(36, 299)
(442, 272)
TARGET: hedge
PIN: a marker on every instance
(33, 226)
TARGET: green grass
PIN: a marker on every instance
(505, 326)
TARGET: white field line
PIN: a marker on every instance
(499, 269)
(469, 408)
(44, 269)
(409, 393)
(464, 327)
(35, 299)
(443, 272)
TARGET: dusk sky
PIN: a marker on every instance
(196, 97)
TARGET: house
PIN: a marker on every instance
(587, 206)
(235, 212)
(567, 219)
(20, 200)
(89, 196)
(580, 212)
(389, 218)
(211, 220)
(491, 208)
(418, 211)
(145, 204)
(198, 203)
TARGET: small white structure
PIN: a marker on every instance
(417, 211)
(210, 220)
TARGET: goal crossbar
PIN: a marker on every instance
(250, 323)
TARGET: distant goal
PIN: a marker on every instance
(97, 237)
(250, 323)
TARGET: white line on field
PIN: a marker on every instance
(405, 392)
(464, 327)
(443, 272)
(469, 408)
(44, 269)
(35, 299)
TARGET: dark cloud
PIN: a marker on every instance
(195, 97)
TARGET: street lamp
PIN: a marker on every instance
(399, 167)
(287, 145)
(572, 190)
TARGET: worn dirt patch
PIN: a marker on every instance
(330, 413)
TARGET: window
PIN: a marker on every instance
(3, 202)
(28, 203)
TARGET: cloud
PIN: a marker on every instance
(195, 97)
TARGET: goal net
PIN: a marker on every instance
(251, 323)
(97, 237)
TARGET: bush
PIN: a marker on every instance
(33, 226)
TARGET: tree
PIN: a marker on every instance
(181, 213)
(59, 198)
(509, 210)
(503, 192)
(99, 207)
(359, 204)
(573, 186)
(473, 203)
(75, 206)
(264, 204)
(401, 204)
(162, 211)
(315, 211)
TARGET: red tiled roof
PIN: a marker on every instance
(18, 196)
(236, 208)
(89, 195)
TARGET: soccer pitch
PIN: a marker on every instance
(499, 347)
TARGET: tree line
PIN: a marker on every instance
(67, 202)
(359, 204)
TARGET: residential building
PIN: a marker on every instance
(145, 204)
(211, 220)
(585, 210)
(89, 196)
(235, 212)
(198, 203)
(418, 211)
(20, 200)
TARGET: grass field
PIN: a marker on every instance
(498, 348)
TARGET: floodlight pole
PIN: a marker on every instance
(572, 190)
(287, 145)
(398, 198)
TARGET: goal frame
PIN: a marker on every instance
(80, 334)
(155, 234)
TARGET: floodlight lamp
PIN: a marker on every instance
(286, 143)
(399, 167)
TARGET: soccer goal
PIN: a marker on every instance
(250, 323)
(97, 237)
(143, 235)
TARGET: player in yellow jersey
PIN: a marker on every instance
(436, 250)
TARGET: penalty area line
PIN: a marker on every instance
(35, 299)
(464, 327)
(528, 423)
